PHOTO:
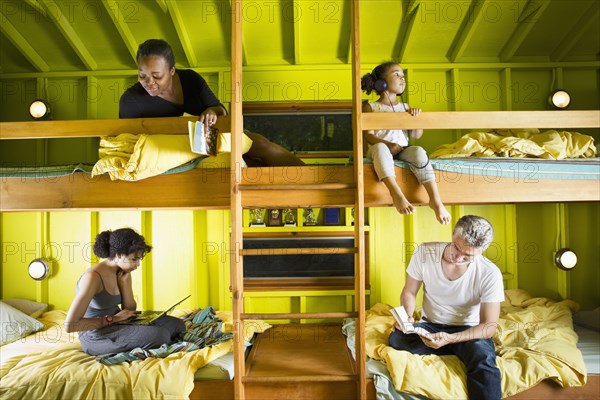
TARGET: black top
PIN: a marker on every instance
(197, 97)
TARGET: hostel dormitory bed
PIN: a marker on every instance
(460, 181)
(41, 361)
(187, 189)
(541, 354)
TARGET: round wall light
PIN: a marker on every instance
(565, 259)
(39, 269)
(39, 109)
(560, 99)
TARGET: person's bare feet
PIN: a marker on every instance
(402, 205)
(442, 215)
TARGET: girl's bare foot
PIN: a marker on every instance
(442, 215)
(402, 205)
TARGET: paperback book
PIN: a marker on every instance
(203, 141)
(399, 314)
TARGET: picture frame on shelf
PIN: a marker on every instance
(331, 216)
(275, 217)
(257, 217)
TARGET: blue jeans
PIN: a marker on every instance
(478, 356)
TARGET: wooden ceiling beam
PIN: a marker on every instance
(163, 5)
(22, 45)
(406, 25)
(182, 33)
(115, 15)
(62, 23)
(589, 18)
(473, 17)
(530, 14)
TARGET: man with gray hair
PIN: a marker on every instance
(461, 304)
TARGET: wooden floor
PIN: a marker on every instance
(296, 361)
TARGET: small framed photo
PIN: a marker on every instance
(275, 217)
(331, 216)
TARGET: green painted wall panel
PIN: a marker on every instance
(584, 239)
(20, 244)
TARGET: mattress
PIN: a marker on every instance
(526, 169)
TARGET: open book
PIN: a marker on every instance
(399, 314)
(148, 317)
(203, 141)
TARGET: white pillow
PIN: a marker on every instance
(15, 325)
(29, 307)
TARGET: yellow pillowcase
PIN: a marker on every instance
(224, 143)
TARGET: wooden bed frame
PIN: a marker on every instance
(185, 190)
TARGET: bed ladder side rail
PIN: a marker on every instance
(359, 207)
(236, 270)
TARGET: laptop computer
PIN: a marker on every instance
(148, 317)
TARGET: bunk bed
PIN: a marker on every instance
(322, 186)
(184, 190)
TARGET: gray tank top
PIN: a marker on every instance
(103, 303)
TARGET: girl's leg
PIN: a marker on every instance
(421, 167)
(266, 153)
(384, 168)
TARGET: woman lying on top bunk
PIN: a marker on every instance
(163, 91)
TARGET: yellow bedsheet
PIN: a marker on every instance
(66, 372)
(535, 341)
(553, 145)
(134, 157)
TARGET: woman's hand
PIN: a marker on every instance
(123, 279)
(124, 315)
(414, 111)
(208, 117)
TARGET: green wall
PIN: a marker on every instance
(190, 253)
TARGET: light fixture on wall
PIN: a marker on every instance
(39, 109)
(39, 269)
(565, 259)
(560, 99)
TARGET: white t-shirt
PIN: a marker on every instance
(397, 136)
(454, 302)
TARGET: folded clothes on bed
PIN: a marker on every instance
(554, 145)
(203, 328)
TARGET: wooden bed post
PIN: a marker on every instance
(236, 261)
(359, 207)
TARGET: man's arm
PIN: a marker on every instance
(409, 295)
(489, 313)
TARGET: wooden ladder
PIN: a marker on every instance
(238, 252)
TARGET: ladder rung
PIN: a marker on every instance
(292, 251)
(299, 186)
(324, 315)
(303, 378)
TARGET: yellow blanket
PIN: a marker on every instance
(66, 372)
(534, 341)
(134, 157)
(551, 144)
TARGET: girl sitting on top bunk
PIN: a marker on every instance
(385, 145)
